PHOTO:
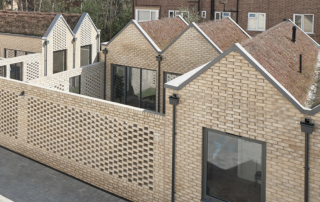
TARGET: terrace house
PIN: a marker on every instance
(35, 45)
(236, 128)
(145, 55)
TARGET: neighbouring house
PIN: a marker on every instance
(34, 45)
(255, 16)
(236, 128)
(145, 55)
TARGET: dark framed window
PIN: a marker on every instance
(3, 71)
(59, 61)
(168, 76)
(134, 86)
(10, 53)
(85, 58)
(234, 168)
(16, 71)
(75, 84)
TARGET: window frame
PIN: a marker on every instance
(204, 14)
(90, 54)
(126, 84)
(215, 15)
(222, 17)
(208, 198)
(150, 11)
(302, 22)
(256, 29)
(73, 84)
(15, 65)
(65, 61)
(175, 13)
(4, 67)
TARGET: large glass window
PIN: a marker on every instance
(305, 22)
(234, 168)
(16, 71)
(85, 55)
(3, 71)
(167, 77)
(59, 61)
(256, 21)
(75, 84)
(134, 86)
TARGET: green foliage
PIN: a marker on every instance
(190, 14)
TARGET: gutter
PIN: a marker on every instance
(174, 100)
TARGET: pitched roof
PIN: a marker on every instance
(164, 31)
(224, 33)
(31, 23)
(276, 52)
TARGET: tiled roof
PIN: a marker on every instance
(276, 52)
(31, 23)
(224, 33)
(163, 31)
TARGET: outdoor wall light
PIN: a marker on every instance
(159, 58)
(105, 51)
(22, 93)
(174, 100)
(307, 125)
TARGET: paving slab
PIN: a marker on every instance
(24, 180)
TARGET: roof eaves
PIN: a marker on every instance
(182, 81)
(53, 24)
(306, 34)
(174, 40)
(206, 37)
(144, 33)
(240, 28)
(141, 31)
(183, 20)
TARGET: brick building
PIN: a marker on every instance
(254, 16)
(180, 46)
(35, 45)
(238, 119)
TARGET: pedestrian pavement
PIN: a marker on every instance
(24, 180)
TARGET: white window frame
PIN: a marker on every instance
(302, 22)
(150, 11)
(215, 14)
(175, 13)
(256, 29)
(222, 17)
(203, 14)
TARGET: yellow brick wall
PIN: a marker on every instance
(114, 147)
(131, 49)
(60, 39)
(23, 43)
(92, 80)
(233, 97)
(190, 51)
(90, 37)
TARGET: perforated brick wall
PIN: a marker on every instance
(115, 147)
(30, 65)
(91, 80)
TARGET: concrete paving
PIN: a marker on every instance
(24, 180)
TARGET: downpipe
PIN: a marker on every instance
(105, 52)
(307, 128)
(174, 100)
